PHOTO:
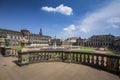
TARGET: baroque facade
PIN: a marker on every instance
(100, 41)
(32, 38)
(116, 44)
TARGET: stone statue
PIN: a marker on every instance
(7, 40)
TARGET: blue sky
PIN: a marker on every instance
(62, 18)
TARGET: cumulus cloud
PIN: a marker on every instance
(60, 9)
(99, 18)
(69, 31)
(114, 22)
(70, 28)
(106, 17)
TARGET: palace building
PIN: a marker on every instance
(116, 44)
(100, 41)
(32, 38)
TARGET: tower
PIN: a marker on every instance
(40, 33)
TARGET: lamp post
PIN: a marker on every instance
(7, 41)
(83, 42)
(70, 43)
(78, 41)
(54, 43)
(7, 46)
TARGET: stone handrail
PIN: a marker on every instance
(13, 52)
(103, 61)
(8, 52)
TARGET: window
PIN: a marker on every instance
(13, 37)
(16, 37)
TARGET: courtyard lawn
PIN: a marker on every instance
(16, 47)
(111, 52)
(86, 49)
(92, 49)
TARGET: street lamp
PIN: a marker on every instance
(7, 45)
(7, 41)
(78, 41)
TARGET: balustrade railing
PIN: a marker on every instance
(8, 52)
(13, 52)
(104, 61)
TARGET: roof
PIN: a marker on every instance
(9, 30)
(117, 38)
(72, 38)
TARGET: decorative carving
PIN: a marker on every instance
(112, 63)
(25, 59)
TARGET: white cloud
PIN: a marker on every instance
(99, 18)
(114, 22)
(60, 9)
(68, 31)
(107, 16)
(70, 28)
(49, 9)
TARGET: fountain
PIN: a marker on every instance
(54, 45)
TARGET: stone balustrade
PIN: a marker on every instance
(8, 52)
(13, 52)
(102, 61)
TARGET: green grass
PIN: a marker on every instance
(86, 49)
(82, 47)
(16, 47)
(91, 49)
(111, 52)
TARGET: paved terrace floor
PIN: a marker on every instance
(50, 71)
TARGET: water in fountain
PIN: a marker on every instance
(54, 45)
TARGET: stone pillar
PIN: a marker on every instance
(23, 59)
(113, 64)
(7, 52)
(2, 50)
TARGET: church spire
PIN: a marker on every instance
(40, 33)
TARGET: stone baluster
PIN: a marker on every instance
(97, 60)
(88, 58)
(45, 56)
(35, 57)
(30, 58)
(80, 57)
(77, 57)
(49, 55)
(62, 55)
(92, 59)
(84, 58)
(118, 65)
(102, 61)
(73, 56)
(59, 55)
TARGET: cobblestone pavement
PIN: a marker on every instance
(50, 71)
